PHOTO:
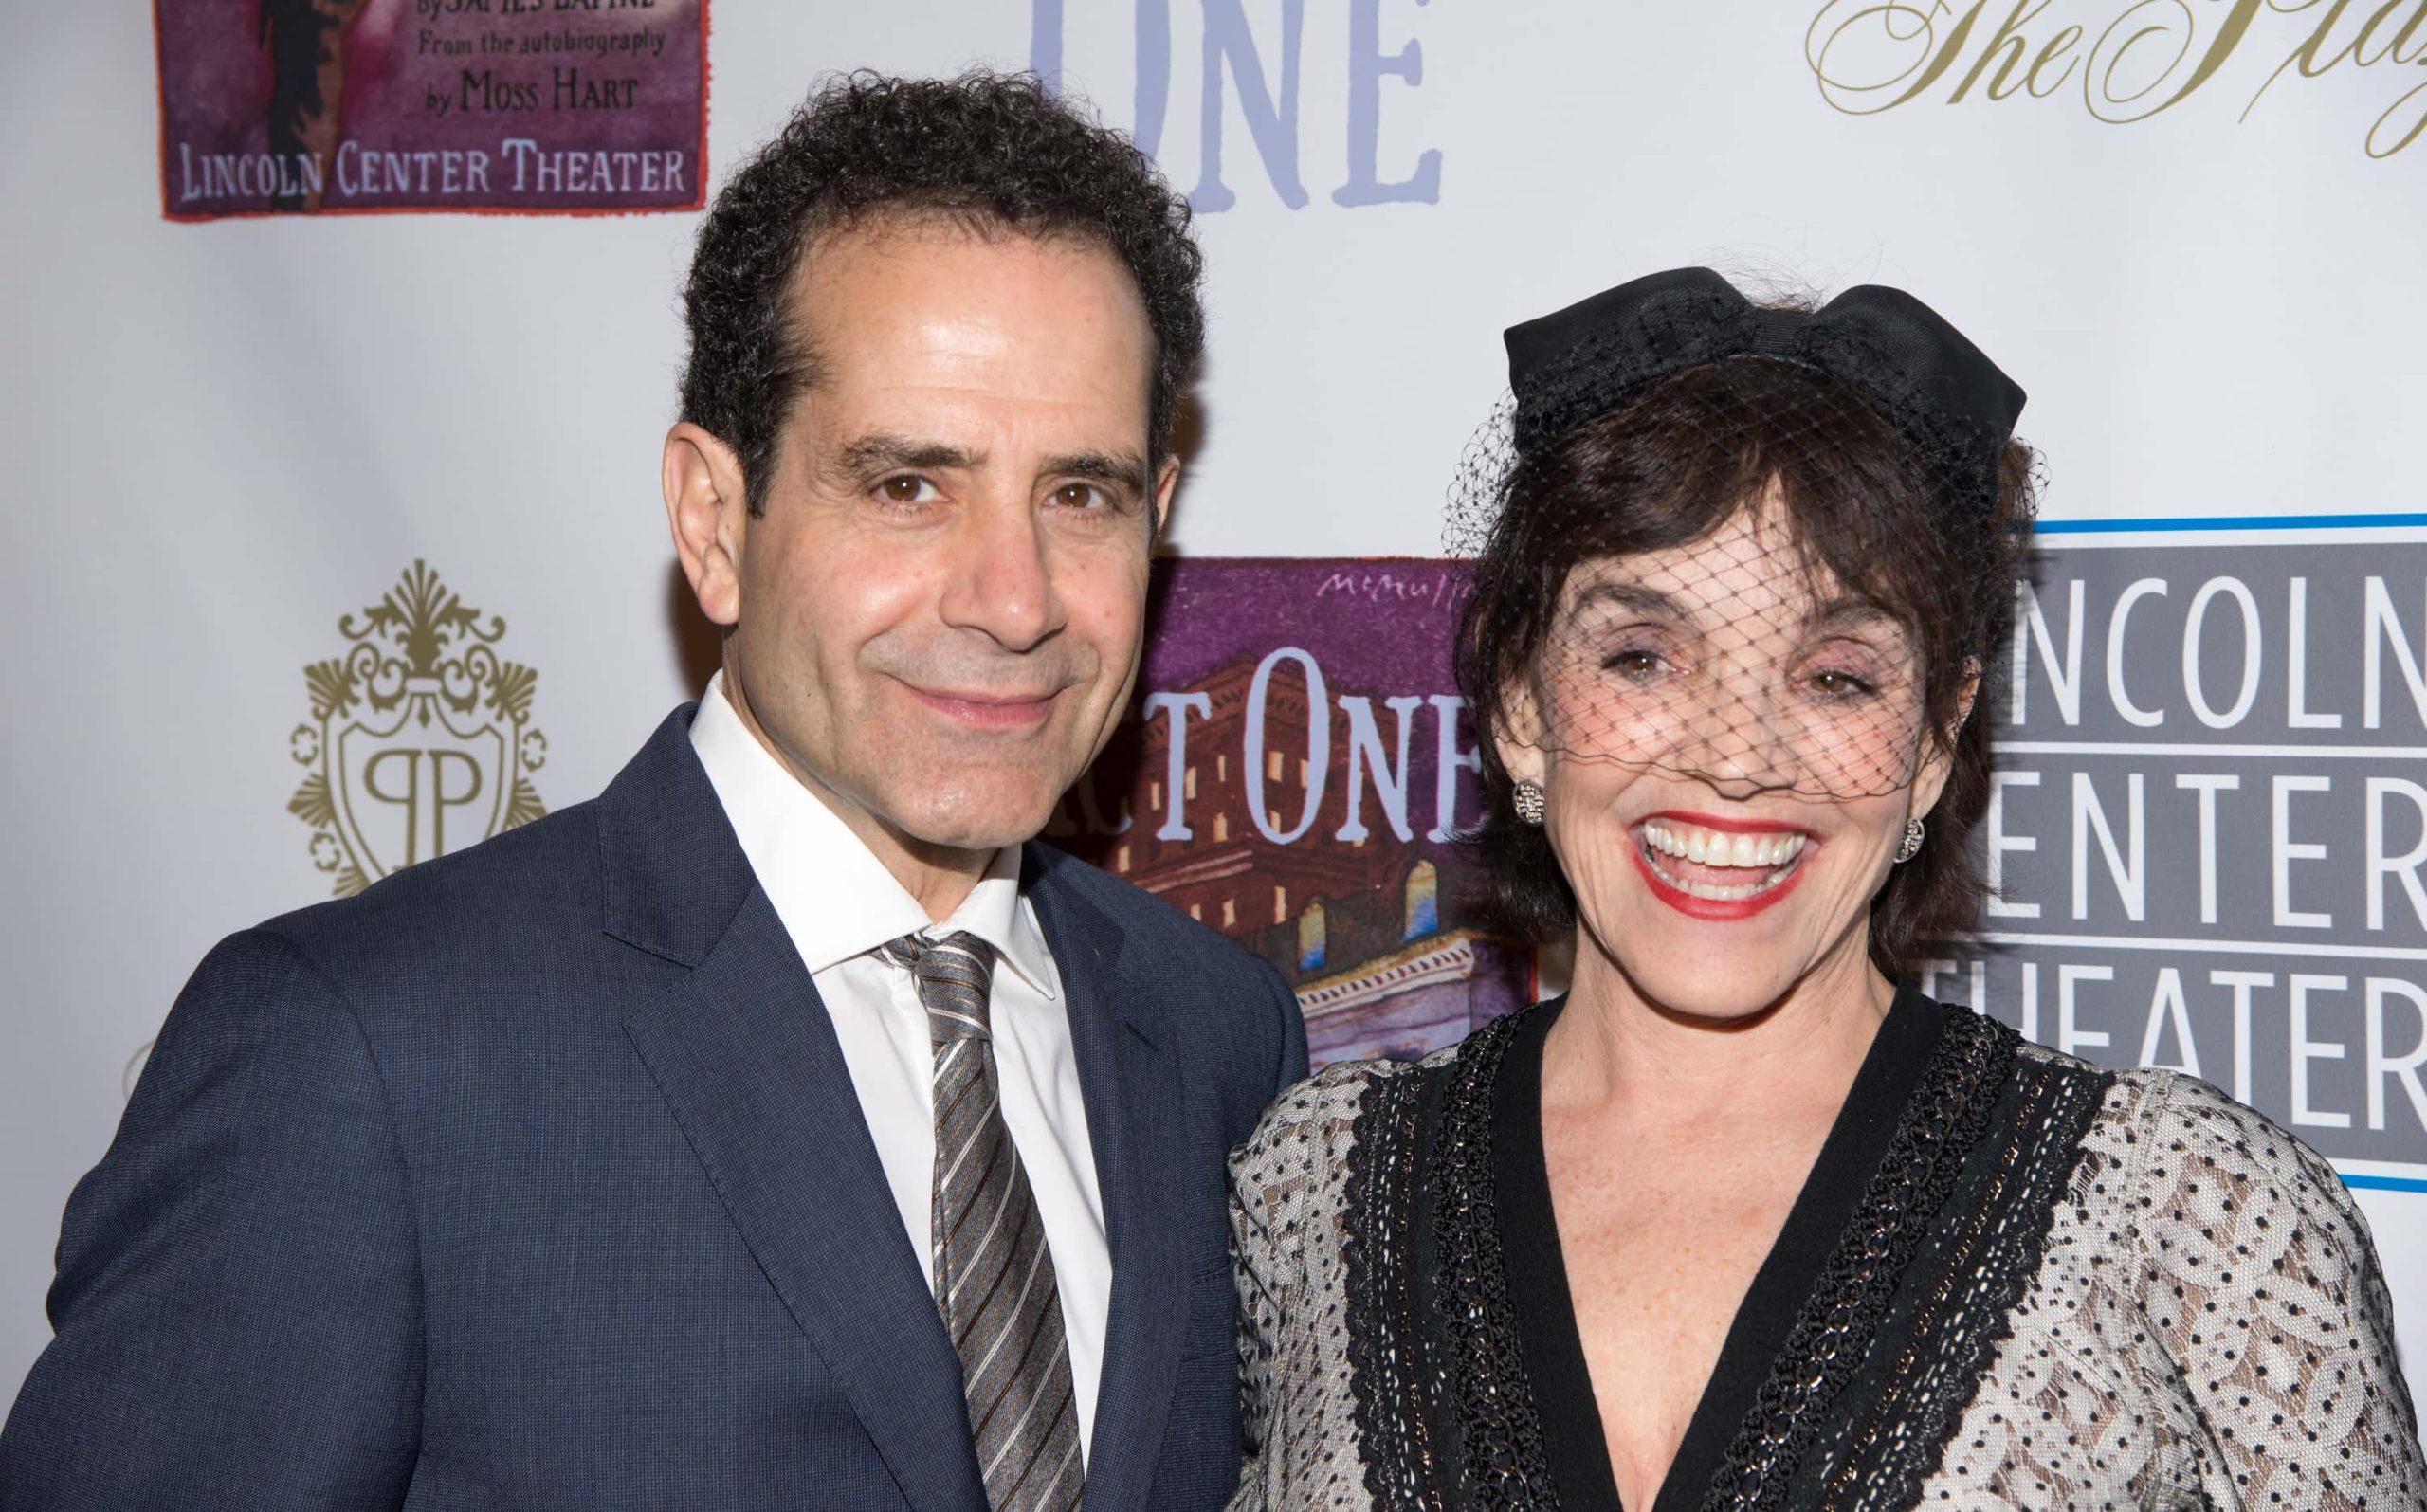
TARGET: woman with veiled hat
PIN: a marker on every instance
(1741, 1221)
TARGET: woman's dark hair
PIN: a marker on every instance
(987, 150)
(1671, 467)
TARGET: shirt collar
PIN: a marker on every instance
(996, 912)
(835, 898)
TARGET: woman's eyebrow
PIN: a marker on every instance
(1635, 596)
(1854, 613)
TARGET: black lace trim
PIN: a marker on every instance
(1501, 1434)
(1443, 1409)
(1883, 1359)
(1389, 1391)
(1981, 1263)
(1838, 1323)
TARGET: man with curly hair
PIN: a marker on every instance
(785, 1128)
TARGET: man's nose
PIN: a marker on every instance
(1001, 578)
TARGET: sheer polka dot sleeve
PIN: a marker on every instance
(1276, 1159)
(2258, 1281)
(1286, 1210)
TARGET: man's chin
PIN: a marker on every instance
(973, 819)
(973, 842)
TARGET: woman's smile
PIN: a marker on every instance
(1719, 868)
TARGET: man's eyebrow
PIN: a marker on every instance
(883, 448)
(1635, 596)
(1125, 468)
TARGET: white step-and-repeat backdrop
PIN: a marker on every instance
(341, 336)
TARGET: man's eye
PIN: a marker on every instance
(909, 488)
(1082, 496)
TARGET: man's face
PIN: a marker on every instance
(940, 608)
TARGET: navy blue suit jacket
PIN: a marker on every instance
(533, 1179)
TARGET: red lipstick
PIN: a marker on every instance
(1720, 910)
(1733, 826)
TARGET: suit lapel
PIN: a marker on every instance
(746, 1058)
(1131, 1086)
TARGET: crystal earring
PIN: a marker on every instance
(1528, 801)
(1912, 843)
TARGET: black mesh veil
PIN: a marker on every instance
(1758, 548)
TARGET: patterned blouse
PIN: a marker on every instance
(2012, 1280)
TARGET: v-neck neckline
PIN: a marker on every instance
(1573, 1441)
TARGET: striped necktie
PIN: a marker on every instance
(994, 1274)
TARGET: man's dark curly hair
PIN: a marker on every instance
(986, 150)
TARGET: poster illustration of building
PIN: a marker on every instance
(1296, 778)
(301, 106)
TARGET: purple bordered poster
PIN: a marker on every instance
(516, 106)
(1294, 778)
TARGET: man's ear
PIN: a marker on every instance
(1938, 756)
(708, 509)
(1166, 483)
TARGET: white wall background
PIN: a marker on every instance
(218, 438)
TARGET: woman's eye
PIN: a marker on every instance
(1837, 683)
(1634, 661)
(908, 488)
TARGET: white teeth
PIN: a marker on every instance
(1713, 848)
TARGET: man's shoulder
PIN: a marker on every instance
(1147, 923)
(508, 895)
(1227, 1011)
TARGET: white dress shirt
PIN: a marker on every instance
(840, 906)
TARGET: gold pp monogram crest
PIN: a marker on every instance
(419, 740)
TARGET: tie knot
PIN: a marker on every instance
(952, 975)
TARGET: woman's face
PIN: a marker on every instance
(1730, 744)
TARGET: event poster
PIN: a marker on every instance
(1296, 780)
(270, 106)
(2208, 830)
